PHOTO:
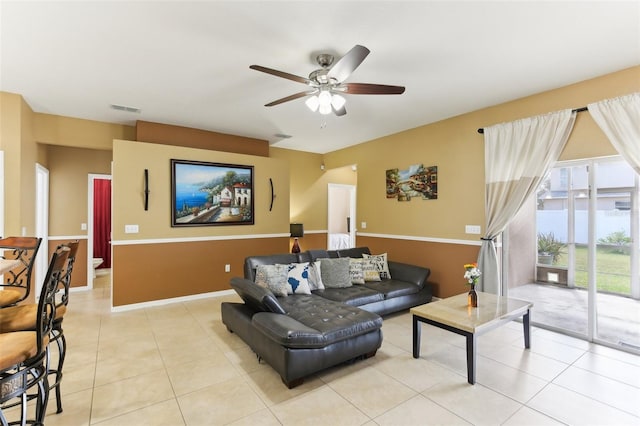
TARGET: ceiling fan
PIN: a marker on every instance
(328, 83)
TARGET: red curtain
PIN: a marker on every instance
(102, 221)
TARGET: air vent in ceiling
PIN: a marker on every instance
(125, 108)
(282, 136)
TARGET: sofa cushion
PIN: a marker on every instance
(251, 263)
(355, 271)
(315, 322)
(380, 262)
(273, 277)
(298, 278)
(369, 271)
(258, 298)
(356, 295)
(315, 276)
(393, 288)
(335, 273)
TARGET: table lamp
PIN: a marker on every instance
(297, 231)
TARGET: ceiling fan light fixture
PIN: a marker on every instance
(325, 98)
(337, 101)
(313, 103)
(325, 109)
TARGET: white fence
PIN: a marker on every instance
(607, 222)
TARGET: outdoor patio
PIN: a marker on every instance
(566, 308)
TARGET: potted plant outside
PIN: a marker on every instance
(549, 248)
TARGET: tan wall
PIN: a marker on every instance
(152, 271)
(75, 132)
(305, 191)
(10, 131)
(20, 155)
(69, 169)
(308, 189)
(131, 158)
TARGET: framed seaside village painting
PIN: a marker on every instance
(204, 194)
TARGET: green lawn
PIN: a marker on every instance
(613, 270)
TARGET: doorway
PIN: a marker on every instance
(99, 226)
(42, 225)
(341, 232)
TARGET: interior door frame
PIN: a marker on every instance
(352, 210)
(92, 177)
(42, 225)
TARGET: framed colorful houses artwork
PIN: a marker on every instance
(417, 181)
(205, 194)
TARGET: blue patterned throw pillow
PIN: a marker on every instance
(298, 279)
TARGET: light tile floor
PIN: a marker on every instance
(178, 365)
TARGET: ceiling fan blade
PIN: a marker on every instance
(340, 112)
(348, 63)
(292, 97)
(371, 89)
(282, 74)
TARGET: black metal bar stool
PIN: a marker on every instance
(23, 356)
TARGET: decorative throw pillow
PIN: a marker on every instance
(369, 271)
(273, 277)
(380, 262)
(315, 277)
(355, 271)
(298, 278)
(335, 272)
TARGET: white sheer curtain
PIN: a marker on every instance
(619, 119)
(516, 157)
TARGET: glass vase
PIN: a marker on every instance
(472, 297)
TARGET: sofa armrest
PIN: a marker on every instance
(256, 297)
(417, 275)
(287, 331)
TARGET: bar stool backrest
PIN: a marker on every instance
(25, 250)
(47, 301)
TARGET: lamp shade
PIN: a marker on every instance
(297, 230)
(313, 103)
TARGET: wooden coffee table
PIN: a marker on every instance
(454, 315)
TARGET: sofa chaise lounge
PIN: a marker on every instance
(300, 334)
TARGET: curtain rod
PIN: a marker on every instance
(481, 130)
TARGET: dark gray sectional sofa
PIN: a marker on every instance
(301, 334)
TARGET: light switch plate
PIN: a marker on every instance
(472, 229)
(131, 229)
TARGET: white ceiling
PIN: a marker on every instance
(187, 63)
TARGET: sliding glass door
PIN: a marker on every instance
(587, 266)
